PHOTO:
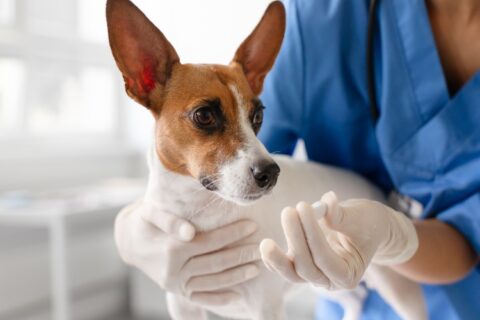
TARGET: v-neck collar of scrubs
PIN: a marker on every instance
(419, 123)
(423, 59)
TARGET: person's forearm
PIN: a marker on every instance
(443, 256)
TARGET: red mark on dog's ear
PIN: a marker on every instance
(141, 51)
(144, 84)
(148, 79)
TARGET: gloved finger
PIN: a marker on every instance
(339, 217)
(219, 238)
(168, 223)
(332, 265)
(221, 260)
(277, 261)
(298, 247)
(220, 298)
(222, 280)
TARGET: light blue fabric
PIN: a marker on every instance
(426, 144)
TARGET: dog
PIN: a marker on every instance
(207, 165)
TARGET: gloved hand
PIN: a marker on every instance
(197, 267)
(333, 249)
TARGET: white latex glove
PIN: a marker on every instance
(331, 246)
(197, 267)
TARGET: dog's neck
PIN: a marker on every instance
(185, 197)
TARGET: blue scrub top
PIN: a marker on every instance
(426, 143)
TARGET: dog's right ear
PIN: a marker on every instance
(143, 54)
(257, 53)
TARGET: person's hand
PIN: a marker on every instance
(334, 248)
(197, 266)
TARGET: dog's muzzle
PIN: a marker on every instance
(265, 174)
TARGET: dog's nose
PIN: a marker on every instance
(265, 174)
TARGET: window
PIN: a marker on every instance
(11, 80)
(7, 12)
(57, 76)
(92, 25)
(69, 98)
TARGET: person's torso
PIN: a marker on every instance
(426, 144)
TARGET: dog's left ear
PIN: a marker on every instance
(143, 54)
(257, 53)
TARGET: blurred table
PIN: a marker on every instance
(51, 210)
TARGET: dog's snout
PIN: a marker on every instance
(265, 174)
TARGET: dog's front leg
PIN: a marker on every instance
(352, 302)
(402, 294)
(180, 308)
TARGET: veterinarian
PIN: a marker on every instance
(409, 122)
(422, 139)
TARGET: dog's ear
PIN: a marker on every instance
(257, 53)
(143, 54)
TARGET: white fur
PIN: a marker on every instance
(263, 296)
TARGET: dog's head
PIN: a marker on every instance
(207, 116)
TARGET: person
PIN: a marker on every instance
(425, 144)
(426, 141)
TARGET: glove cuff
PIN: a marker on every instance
(401, 241)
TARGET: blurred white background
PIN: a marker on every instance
(71, 150)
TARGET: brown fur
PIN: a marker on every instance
(180, 145)
(155, 78)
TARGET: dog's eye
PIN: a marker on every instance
(208, 116)
(204, 117)
(257, 117)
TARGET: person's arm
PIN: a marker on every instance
(443, 255)
(449, 245)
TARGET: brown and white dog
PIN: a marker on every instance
(207, 164)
